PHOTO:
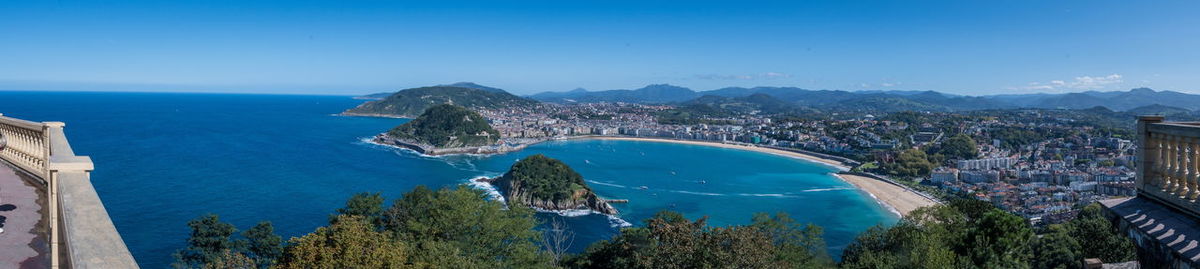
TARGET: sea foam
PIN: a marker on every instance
(494, 193)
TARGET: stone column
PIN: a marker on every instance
(1147, 152)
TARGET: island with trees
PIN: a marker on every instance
(548, 184)
(447, 129)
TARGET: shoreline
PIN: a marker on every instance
(898, 200)
(827, 162)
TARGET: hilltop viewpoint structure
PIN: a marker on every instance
(53, 216)
(1164, 218)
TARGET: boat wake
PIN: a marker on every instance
(829, 189)
(699, 193)
(607, 184)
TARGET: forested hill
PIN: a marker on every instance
(412, 102)
(543, 182)
(447, 126)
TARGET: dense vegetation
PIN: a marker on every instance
(449, 228)
(671, 241)
(545, 178)
(448, 125)
(973, 234)
(460, 228)
(411, 102)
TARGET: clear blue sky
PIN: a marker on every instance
(353, 47)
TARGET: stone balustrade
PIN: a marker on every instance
(81, 233)
(1169, 171)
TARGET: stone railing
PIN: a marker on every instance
(81, 233)
(1169, 168)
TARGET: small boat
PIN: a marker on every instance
(672, 172)
(703, 182)
(643, 187)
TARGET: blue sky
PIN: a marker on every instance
(353, 47)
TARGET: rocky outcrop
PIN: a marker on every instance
(583, 198)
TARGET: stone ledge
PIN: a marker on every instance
(1164, 236)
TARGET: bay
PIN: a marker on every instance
(165, 158)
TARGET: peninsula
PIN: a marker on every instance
(548, 184)
(447, 129)
(411, 102)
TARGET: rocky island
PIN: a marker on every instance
(447, 129)
(545, 183)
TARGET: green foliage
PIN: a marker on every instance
(945, 236)
(209, 240)
(350, 242)
(263, 245)
(695, 114)
(448, 125)
(211, 245)
(1000, 240)
(412, 102)
(959, 146)
(910, 163)
(800, 246)
(463, 224)
(1057, 249)
(1013, 138)
(545, 178)
(368, 205)
(1101, 238)
(671, 241)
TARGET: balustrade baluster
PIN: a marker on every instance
(1151, 153)
(1176, 159)
(1181, 167)
(1194, 164)
(1161, 164)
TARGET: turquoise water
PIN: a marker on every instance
(163, 159)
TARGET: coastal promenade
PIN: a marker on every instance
(79, 233)
(23, 242)
(896, 197)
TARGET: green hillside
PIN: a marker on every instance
(447, 126)
(412, 102)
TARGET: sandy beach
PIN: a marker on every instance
(896, 197)
(900, 199)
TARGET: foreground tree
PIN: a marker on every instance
(262, 244)
(462, 222)
(212, 245)
(1057, 249)
(350, 242)
(958, 235)
(367, 205)
(1091, 229)
(671, 241)
(209, 241)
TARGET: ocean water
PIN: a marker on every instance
(163, 159)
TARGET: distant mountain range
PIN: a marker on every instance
(778, 100)
(1143, 99)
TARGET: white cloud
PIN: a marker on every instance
(774, 75)
(1079, 83)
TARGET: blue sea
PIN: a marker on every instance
(165, 158)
